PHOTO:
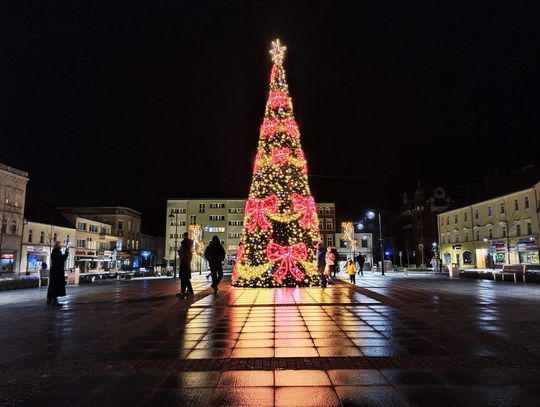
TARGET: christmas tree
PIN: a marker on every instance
(281, 228)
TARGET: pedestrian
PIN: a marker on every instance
(330, 268)
(361, 259)
(351, 270)
(184, 272)
(215, 254)
(435, 264)
(321, 263)
(57, 282)
(336, 261)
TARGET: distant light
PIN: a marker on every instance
(485, 239)
(434, 244)
(370, 214)
(360, 226)
(364, 237)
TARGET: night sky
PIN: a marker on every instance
(132, 102)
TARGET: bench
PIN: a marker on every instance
(511, 270)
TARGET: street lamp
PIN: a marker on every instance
(174, 215)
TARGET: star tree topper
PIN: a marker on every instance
(277, 51)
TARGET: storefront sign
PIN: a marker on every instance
(37, 249)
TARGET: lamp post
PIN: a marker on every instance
(371, 215)
(174, 215)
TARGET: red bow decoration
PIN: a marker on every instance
(280, 156)
(278, 98)
(269, 127)
(306, 205)
(289, 256)
(256, 210)
(292, 127)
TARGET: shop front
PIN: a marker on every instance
(527, 251)
(498, 253)
(88, 260)
(37, 257)
(7, 262)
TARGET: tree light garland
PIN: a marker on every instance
(278, 243)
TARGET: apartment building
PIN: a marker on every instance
(12, 199)
(225, 219)
(500, 230)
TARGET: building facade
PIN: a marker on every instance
(152, 250)
(124, 226)
(38, 240)
(225, 219)
(217, 217)
(327, 222)
(364, 245)
(12, 200)
(417, 223)
(487, 234)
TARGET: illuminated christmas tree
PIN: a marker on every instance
(281, 228)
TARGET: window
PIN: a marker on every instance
(447, 220)
(489, 211)
(214, 229)
(235, 210)
(222, 242)
(55, 237)
(81, 243)
(455, 218)
(236, 222)
(201, 208)
(329, 223)
(477, 235)
(466, 236)
(329, 240)
(364, 241)
(216, 217)
(42, 237)
(30, 236)
(503, 231)
(516, 205)
(526, 202)
(518, 230)
(447, 258)
(4, 225)
(93, 228)
(502, 208)
(192, 219)
(467, 257)
(465, 216)
(14, 226)
(456, 237)
(476, 214)
(233, 235)
(529, 228)
(81, 225)
(321, 224)
(216, 205)
(490, 233)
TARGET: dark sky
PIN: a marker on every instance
(131, 102)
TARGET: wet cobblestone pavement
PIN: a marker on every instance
(388, 341)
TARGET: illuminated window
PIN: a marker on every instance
(467, 257)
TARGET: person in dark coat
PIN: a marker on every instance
(215, 254)
(57, 282)
(336, 254)
(321, 263)
(184, 273)
(361, 259)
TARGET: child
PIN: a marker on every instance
(351, 270)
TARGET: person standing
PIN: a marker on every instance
(57, 282)
(321, 263)
(330, 260)
(336, 261)
(361, 260)
(351, 270)
(185, 253)
(215, 254)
